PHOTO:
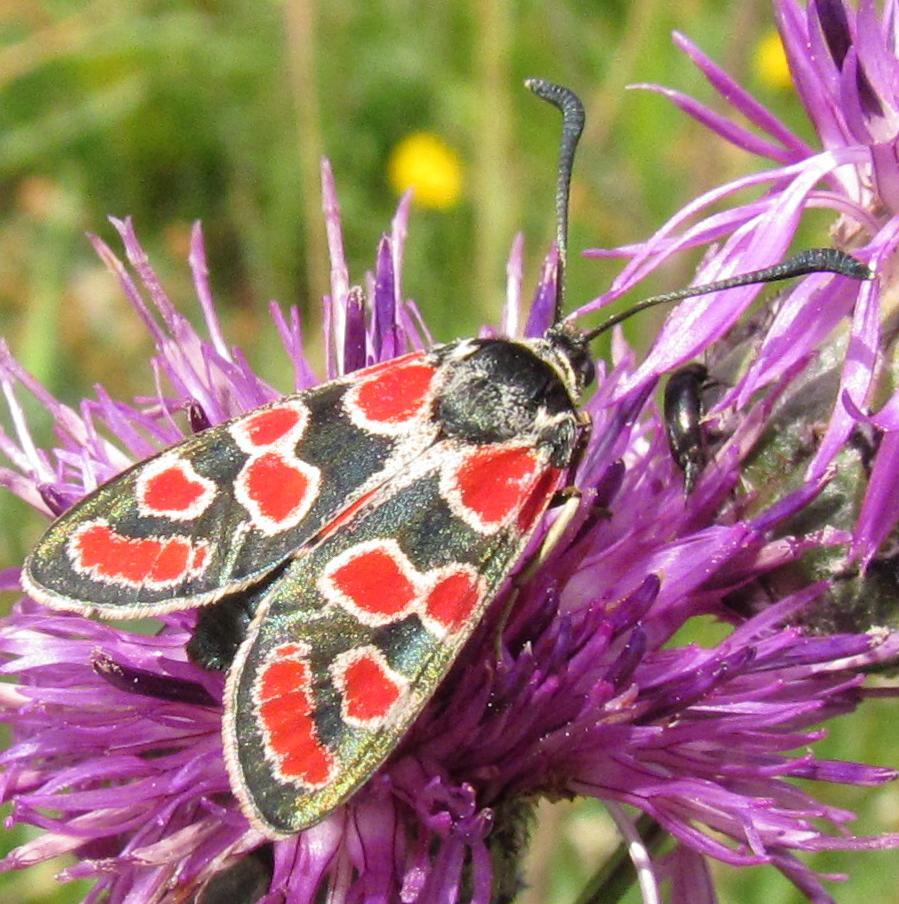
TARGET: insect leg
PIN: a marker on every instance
(585, 428)
(150, 684)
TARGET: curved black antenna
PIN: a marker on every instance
(813, 260)
(572, 125)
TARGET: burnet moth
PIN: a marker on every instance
(346, 540)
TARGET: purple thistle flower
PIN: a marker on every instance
(844, 64)
(117, 750)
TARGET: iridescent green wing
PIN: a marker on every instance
(355, 636)
(222, 509)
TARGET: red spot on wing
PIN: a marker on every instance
(538, 499)
(171, 490)
(396, 394)
(386, 365)
(452, 600)
(169, 487)
(199, 559)
(171, 559)
(277, 488)
(286, 707)
(494, 482)
(374, 582)
(108, 556)
(268, 427)
(369, 687)
(283, 676)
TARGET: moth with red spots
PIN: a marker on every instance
(344, 541)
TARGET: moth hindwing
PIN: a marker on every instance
(415, 485)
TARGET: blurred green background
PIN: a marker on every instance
(219, 111)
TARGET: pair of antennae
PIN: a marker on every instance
(813, 260)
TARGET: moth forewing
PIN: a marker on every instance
(353, 640)
(219, 511)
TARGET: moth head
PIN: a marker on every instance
(566, 350)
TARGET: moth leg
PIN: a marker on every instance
(584, 432)
(561, 497)
(555, 533)
(575, 453)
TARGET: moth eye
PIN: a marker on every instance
(586, 370)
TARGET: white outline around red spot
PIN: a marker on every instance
(196, 569)
(239, 430)
(258, 519)
(388, 428)
(422, 582)
(331, 592)
(297, 651)
(338, 670)
(452, 494)
(168, 462)
(433, 578)
(93, 572)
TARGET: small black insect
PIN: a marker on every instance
(684, 410)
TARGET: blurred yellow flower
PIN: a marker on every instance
(425, 163)
(770, 62)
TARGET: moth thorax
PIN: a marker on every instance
(501, 391)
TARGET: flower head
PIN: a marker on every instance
(849, 96)
(117, 749)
